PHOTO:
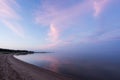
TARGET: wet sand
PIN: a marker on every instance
(14, 69)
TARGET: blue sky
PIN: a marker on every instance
(57, 24)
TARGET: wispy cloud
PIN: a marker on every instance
(15, 27)
(99, 6)
(53, 34)
(59, 19)
(9, 16)
(7, 9)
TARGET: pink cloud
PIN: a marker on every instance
(54, 33)
(99, 6)
(58, 20)
(62, 18)
(9, 16)
(15, 28)
(52, 14)
(6, 9)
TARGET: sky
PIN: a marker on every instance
(59, 24)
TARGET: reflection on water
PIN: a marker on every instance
(86, 67)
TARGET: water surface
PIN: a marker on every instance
(85, 66)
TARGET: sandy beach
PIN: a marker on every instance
(14, 69)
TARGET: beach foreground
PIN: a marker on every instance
(14, 69)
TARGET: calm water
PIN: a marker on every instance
(85, 66)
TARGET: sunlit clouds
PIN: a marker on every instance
(54, 33)
(15, 27)
(10, 17)
(60, 19)
(7, 10)
(99, 6)
(47, 24)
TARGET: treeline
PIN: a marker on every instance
(9, 51)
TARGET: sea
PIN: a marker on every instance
(79, 65)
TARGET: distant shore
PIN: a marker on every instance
(14, 69)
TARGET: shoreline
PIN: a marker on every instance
(12, 68)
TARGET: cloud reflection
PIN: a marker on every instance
(54, 63)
